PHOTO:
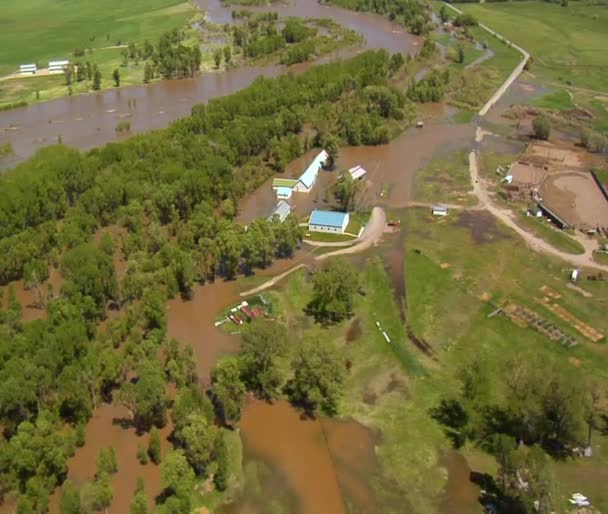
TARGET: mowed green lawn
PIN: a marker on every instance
(567, 44)
(36, 31)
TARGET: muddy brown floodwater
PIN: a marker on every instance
(323, 464)
(103, 431)
(29, 298)
(86, 121)
(460, 496)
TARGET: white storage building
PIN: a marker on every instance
(328, 221)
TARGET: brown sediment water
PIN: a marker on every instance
(460, 496)
(192, 322)
(29, 298)
(324, 463)
(391, 169)
(102, 431)
(86, 121)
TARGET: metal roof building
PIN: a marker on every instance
(284, 192)
(357, 172)
(282, 210)
(309, 177)
(328, 221)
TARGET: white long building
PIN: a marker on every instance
(58, 66)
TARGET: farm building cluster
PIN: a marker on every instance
(285, 187)
(561, 187)
(54, 67)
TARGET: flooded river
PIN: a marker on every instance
(87, 121)
(317, 466)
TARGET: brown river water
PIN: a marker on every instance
(321, 466)
(87, 121)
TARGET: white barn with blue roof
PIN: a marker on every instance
(308, 179)
(328, 221)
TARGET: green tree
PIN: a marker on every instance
(142, 454)
(396, 62)
(198, 438)
(264, 345)
(331, 144)
(139, 503)
(228, 389)
(460, 50)
(443, 14)
(154, 446)
(80, 72)
(346, 191)
(227, 55)
(190, 400)
(318, 376)
(96, 78)
(146, 399)
(176, 475)
(106, 461)
(148, 74)
(69, 502)
(542, 127)
(116, 77)
(334, 287)
(217, 57)
(220, 479)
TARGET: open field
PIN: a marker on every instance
(445, 180)
(450, 295)
(566, 44)
(30, 38)
(41, 30)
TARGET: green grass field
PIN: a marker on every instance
(43, 30)
(445, 180)
(37, 31)
(566, 44)
(545, 230)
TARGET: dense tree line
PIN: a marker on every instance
(171, 196)
(413, 14)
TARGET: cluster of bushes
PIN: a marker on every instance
(412, 14)
(431, 88)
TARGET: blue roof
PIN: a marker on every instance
(310, 175)
(284, 192)
(327, 218)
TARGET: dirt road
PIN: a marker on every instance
(372, 233)
(506, 216)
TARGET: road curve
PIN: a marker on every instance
(514, 74)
